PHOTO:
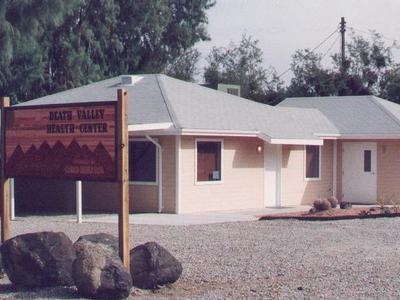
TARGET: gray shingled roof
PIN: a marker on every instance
(146, 100)
(354, 115)
(162, 99)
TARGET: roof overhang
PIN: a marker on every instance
(359, 136)
(312, 142)
(151, 126)
(169, 129)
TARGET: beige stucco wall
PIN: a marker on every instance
(388, 168)
(99, 196)
(296, 190)
(242, 183)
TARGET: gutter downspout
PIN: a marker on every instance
(160, 199)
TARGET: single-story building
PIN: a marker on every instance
(195, 149)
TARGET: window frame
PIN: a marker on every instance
(157, 162)
(305, 164)
(196, 182)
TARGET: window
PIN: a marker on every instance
(208, 160)
(313, 162)
(367, 160)
(142, 162)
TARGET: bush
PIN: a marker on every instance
(333, 201)
(322, 204)
(345, 205)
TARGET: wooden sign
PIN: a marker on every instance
(76, 141)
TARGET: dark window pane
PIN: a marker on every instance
(312, 161)
(142, 161)
(367, 160)
(208, 161)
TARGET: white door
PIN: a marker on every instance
(359, 173)
(272, 178)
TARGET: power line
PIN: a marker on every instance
(331, 46)
(370, 32)
(315, 48)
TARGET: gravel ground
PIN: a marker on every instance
(287, 259)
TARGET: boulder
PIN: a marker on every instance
(333, 201)
(322, 204)
(102, 238)
(39, 259)
(99, 273)
(152, 265)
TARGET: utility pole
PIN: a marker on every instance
(342, 31)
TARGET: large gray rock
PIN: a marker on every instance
(101, 238)
(152, 266)
(99, 273)
(39, 259)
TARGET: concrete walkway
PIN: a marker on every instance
(191, 219)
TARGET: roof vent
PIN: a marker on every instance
(127, 80)
(232, 89)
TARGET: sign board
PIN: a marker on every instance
(76, 141)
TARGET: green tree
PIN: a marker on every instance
(367, 63)
(242, 65)
(185, 66)
(80, 41)
(309, 76)
(369, 69)
(23, 26)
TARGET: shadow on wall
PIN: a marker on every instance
(43, 195)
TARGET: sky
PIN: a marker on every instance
(283, 26)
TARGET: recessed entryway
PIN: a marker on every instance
(359, 172)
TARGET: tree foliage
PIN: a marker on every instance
(52, 45)
(185, 66)
(242, 65)
(369, 69)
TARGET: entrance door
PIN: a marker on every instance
(272, 184)
(359, 172)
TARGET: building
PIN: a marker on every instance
(195, 149)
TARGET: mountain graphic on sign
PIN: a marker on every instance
(73, 161)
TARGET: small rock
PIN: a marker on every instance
(152, 265)
(99, 273)
(300, 288)
(39, 259)
(312, 210)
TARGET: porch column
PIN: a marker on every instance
(334, 169)
(12, 199)
(279, 175)
(78, 190)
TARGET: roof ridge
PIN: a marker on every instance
(374, 100)
(168, 105)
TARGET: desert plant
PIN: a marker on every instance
(333, 201)
(322, 204)
(364, 213)
(381, 202)
(396, 205)
(345, 205)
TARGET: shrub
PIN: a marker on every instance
(345, 205)
(333, 201)
(322, 204)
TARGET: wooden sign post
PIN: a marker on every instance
(79, 141)
(4, 182)
(123, 177)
